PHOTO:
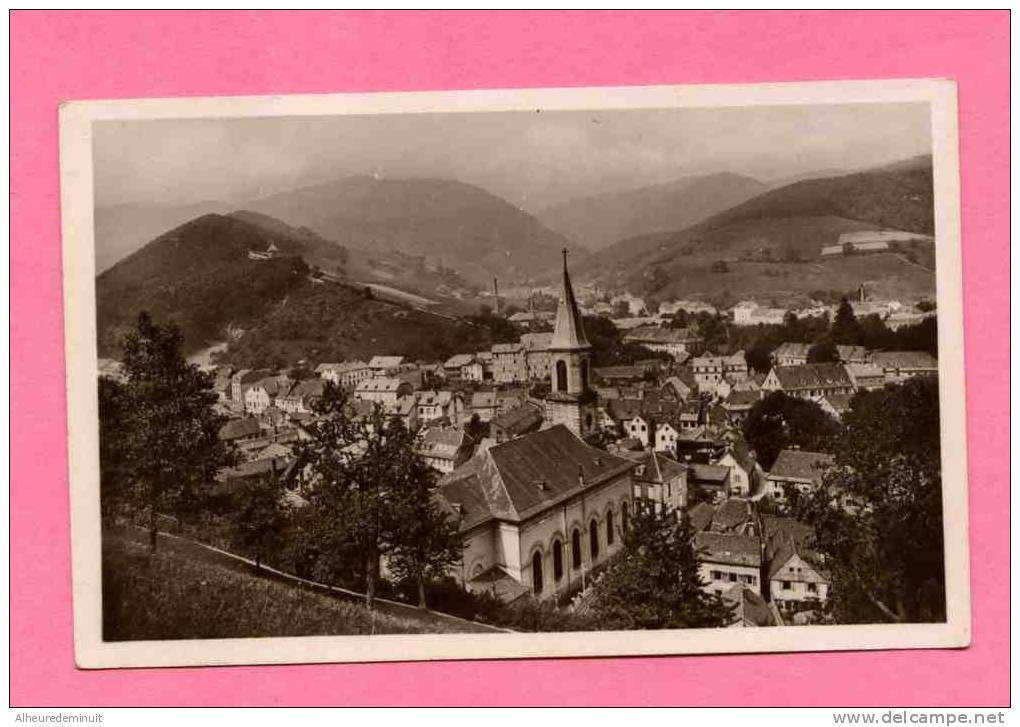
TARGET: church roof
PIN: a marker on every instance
(525, 476)
(569, 330)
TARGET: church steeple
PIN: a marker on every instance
(571, 400)
(568, 335)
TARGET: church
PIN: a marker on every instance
(541, 512)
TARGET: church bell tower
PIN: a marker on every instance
(571, 400)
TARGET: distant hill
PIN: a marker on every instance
(121, 229)
(770, 244)
(600, 220)
(199, 275)
(459, 224)
(273, 312)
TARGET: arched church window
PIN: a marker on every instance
(536, 572)
(610, 535)
(625, 517)
(561, 375)
(557, 559)
(575, 548)
(593, 533)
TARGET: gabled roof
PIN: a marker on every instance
(434, 398)
(701, 515)
(795, 350)
(385, 362)
(237, 428)
(519, 419)
(739, 399)
(795, 464)
(656, 334)
(379, 384)
(443, 442)
(708, 474)
(529, 474)
(749, 608)
(568, 333)
(731, 514)
(904, 360)
(458, 360)
(728, 548)
(658, 467)
(812, 376)
(852, 353)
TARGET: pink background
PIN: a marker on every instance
(78, 55)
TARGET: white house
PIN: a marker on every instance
(728, 559)
(382, 390)
(797, 468)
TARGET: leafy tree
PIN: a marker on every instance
(165, 434)
(714, 330)
(655, 582)
(115, 479)
(429, 542)
(824, 352)
(845, 330)
(260, 516)
(885, 552)
(779, 421)
(365, 483)
(759, 358)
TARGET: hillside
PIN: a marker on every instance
(124, 228)
(600, 220)
(772, 243)
(200, 276)
(458, 224)
(174, 595)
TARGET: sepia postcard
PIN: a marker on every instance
(515, 373)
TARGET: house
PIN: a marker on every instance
(736, 517)
(442, 404)
(385, 365)
(515, 422)
(405, 408)
(262, 394)
(302, 396)
(795, 574)
(749, 313)
(477, 370)
(677, 342)
(244, 429)
(445, 448)
(735, 366)
(670, 429)
(835, 405)
(898, 366)
(708, 371)
(796, 468)
(809, 380)
(791, 354)
(453, 366)
(865, 376)
(745, 473)
(682, 384)
(347, 374)
(713, 479)
(483, 404)
(728, 559)
(852, 354)
(612, 375)
(382, 390)
(241, 380)
(749, 608)
(738, 404)
(536, 355)
(509, 363)
(541, 511)
(658, 479)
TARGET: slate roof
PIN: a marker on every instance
(731, 514)
(458, 360)
(904, 360)
(519, 419)
(795, 464)
(385, 362)
(656, 334)
(658, 467)
(812, 376)
(795, 350)
(378, 385)
(701, 515)
(852, 353)
(750, 609)
(237, 428)
(443, 442)
(839, 402)
(727, 548)
(739, 399)
(527, 475)
(708, 474)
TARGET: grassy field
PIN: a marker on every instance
(173, 595)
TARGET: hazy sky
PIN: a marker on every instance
(531, 159)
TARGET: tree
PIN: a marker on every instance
(845, 330)
(655, 582)
(714, 330)
(779, 421)
(260, 516)
(759, 358)
(429, 542)
(366, 487)
(824, 352)
(165, 432)
(885, 552)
